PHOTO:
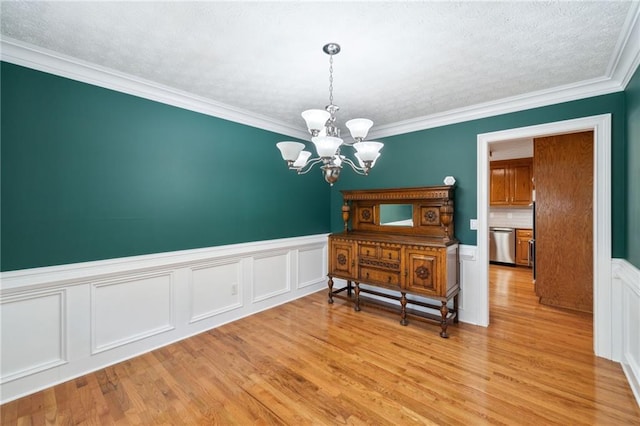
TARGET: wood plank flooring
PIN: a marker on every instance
(308, 362)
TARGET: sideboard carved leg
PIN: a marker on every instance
(356, 303)
(330, 283)
(403, 310)
(444, 311)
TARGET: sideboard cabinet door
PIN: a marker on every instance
(342, 259)
(421, 275)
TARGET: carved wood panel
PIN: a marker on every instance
(421, 272)
(432, 210)
(342, 259)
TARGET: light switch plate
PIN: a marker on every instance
(473, 224)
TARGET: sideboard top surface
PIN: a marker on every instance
(389, 194)
(390, 238)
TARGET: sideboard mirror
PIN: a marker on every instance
(396, 214)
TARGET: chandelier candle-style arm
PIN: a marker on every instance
(325, 135)
(364, 171)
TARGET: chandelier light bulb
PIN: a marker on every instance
(362, 164)
(290, 150)
(326, 146)
(316, 119)
(359, 127)
(368, 151)
(302, 159)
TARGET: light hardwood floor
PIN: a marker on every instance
(308, 362)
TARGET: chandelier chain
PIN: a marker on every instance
(330, 79)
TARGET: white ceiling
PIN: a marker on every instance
(405, 65)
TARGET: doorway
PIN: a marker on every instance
(602, 293)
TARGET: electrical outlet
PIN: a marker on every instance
(234, 289)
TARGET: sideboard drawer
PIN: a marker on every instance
(390, 254)
(376, 276)
(368, 250)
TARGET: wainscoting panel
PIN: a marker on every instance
(312, 265)
(33, 333)
(629, 278)
(61, 322)
(215, 288)
(271, 275)
(130, 309)
(469, 289)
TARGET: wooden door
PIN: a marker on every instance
(564, 220)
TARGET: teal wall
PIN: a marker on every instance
(426, 157)
(632, 94)
(89, 173)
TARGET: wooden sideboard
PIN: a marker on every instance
(400, 240)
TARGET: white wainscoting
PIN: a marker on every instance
(626, 279)
(61, 322)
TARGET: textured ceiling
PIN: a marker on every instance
(399, 60)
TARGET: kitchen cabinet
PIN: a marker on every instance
(412, 255)
(523, 249)
(511, 182)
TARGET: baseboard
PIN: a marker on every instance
(65, 321)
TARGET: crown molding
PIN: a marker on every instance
(30, 56)
(585, 89)
(624, 62)
(627, 51)
(622, 66)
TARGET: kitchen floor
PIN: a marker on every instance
(512, 287)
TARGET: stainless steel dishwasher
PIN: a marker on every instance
(502, 245)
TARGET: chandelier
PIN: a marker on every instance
(325, 135)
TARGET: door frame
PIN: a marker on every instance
(603, 323)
